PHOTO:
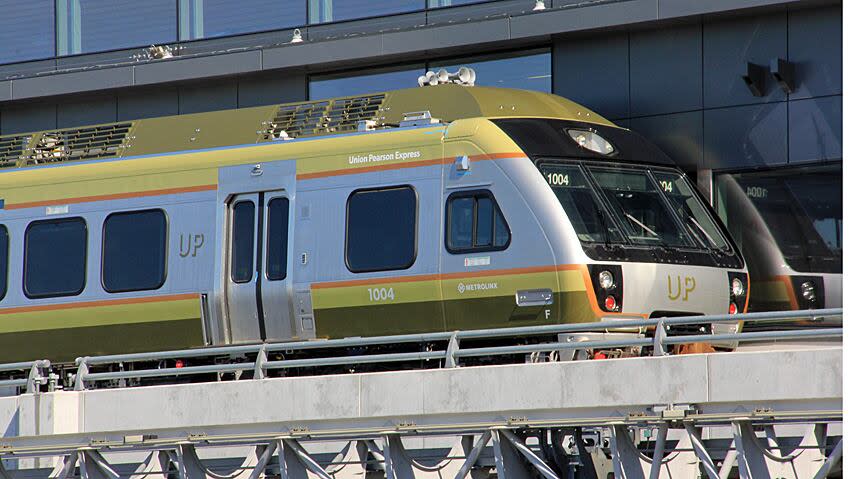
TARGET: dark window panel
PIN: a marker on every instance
(602, 83)
(4, 260)
(88, 111)
(27, 118)
(134, 255)
(381, 229)
(218, 18)
(55, 258)
(745, 136)
(460, 229)
(276, 244)
(85, 26)
(665, 70)
(242, 242)
(728, 47)
(26, 30)
(330, 86)
(324, 11)
(272, 90)
(816, 51)
(148, 103)
(528, 71)
(816, 129)
(208, 96)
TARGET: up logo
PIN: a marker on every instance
(681, 287)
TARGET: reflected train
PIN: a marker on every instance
(789, 225)
(437, 208)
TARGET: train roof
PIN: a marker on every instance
(258, 125)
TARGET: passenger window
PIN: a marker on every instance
(276, 256)
(134, 251)
(242, 242)
(475, 223)
(381, 229)
(4, 260)
(55, 258)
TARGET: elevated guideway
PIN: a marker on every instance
(769, 413)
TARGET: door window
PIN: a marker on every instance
(475, 223)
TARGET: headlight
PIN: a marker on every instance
(808, 291)
(591, 141)
(606, 280)
(737, 288)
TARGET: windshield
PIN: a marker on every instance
(639, 206)
(801, 208)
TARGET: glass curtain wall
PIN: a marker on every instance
(85, 26)
(219, 18)
(325, 11)
(528, 70)
(26, 30)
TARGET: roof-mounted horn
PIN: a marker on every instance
(465, 76)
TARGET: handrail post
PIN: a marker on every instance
(660, 338)
(82, 371)
(452, 349)
(36, 378)
(260, 363)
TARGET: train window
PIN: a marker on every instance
(242, 242)
(381, 229)
(475, 223)
(4, 260)
(276, 241)
(55, 258)
(134, 251)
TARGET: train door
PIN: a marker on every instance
(257, 282)
(256, 268)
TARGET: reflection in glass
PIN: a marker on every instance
(530, 71)
(26, 30)
(330, 86)
(134, 251)
(242, 242)
(324, 11)
(218, 18)
(450, 3)
(797, 212)
(84, 26)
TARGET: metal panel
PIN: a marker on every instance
(147, 103)
(89, 111)
(679, 135)
(185, 69)
(594, 72)
(26, 118)
(816, 129)
(745, 136)
(208, 96)
(665, 70)
(729, 46)
(815, 50)
(679, 8)
(73, 82)
(272, 90)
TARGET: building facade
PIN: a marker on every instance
(743, 94)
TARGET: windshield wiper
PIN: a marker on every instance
(641, 224)
(702, 230)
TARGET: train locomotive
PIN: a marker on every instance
(439, 208)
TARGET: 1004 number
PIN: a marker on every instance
(381, 294)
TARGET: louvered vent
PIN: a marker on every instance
(80, 144)
(322, 117)
(11, 150)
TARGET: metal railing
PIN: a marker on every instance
(455, 349)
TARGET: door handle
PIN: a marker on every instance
(534, 297)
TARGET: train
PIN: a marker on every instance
(436, 208)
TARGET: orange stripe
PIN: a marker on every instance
(115, 196)
(94, 304)
(412, 164)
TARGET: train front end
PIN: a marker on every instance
(649, 244)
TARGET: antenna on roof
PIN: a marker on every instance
(465, 76)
